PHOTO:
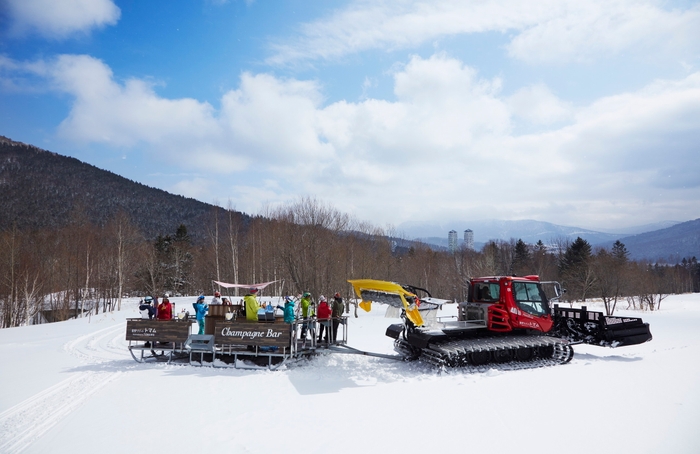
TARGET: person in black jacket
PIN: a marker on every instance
(146, 308)
(337, 313)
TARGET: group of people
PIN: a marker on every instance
(328, 314)
(150, 308)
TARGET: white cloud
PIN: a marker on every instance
(583, 31)
(655, 128)
(539, 106)
(547, 30)
(277, 118)
(61, 18)
(441, 106)
(106, 111)
(267, 121)
(445, 144)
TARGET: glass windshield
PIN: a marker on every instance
(487, 292)
(530, 298)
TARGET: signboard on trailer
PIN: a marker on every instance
(157, 330)
(251, 333)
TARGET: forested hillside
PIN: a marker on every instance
(672, 243)
(41, 189)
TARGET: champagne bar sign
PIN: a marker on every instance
(247, 333)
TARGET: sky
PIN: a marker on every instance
(72, 387)
(577, 113)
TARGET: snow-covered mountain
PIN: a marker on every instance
(655, 240)
(529, 231)
(674, 243)
(637, 229)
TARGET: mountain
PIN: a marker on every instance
(491, 229)
(672, 243)
(636, 230)
(41, 189)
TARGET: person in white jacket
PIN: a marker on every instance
(216, 300)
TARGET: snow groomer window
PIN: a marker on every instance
(530, 298)
(487, 292)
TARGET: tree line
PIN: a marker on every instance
(83, 268)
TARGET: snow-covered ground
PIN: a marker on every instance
(72, 387)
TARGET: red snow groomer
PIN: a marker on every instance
(505, 319)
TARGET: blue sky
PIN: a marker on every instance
(576, 113)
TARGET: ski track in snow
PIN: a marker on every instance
(24, 423)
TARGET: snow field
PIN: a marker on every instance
(72, 387)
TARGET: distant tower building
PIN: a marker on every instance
(469, 239)
(452, 240)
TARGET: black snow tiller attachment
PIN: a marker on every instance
(595, 328)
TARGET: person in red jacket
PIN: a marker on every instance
(165, 310)
(324, 317)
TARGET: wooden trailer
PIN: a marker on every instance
(228, 341)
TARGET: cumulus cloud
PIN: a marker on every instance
(60, 18)
(654, 128)
(444, 144)
(106, 111)
(275, 117)
(442, 105)
(548, 30)
(266, 121)
(538, 105)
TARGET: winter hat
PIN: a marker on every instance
(217, 294)
(253, 290)
(148, 299)
(337, 295)
(322, 298)
(200, 298)
(306, 294)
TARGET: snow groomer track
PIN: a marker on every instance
(517, 352)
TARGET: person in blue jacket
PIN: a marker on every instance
(200, 310)
(289, 310)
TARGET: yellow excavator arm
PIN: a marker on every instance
(386, 292)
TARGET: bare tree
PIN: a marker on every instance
(233, 234)
(125, 240)
(213, 233)
(11, 251)
(31, 294)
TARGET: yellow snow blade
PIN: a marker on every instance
(366, 305)
(414, 316)
(389, 293)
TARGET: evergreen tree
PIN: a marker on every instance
(576, 270)
(619, 251)
(521, 259)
